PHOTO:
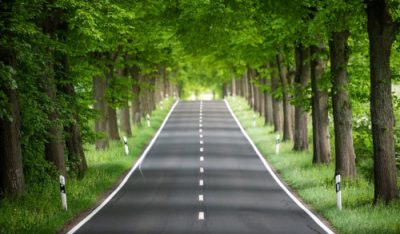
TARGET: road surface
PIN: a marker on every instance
(201, 175)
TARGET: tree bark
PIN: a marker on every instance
(112, 125)
(268, 111)
(135, 102)
(99, 90)
(73, 139)
(321, 145)
(342, 112)
(381, 33)
(234, 92)
(261, 98)
(12, 179)
(125, 121)
(302, 78)
(54, 147)
(287, 121)
(276, 103)
(125, 117)
(12, 174)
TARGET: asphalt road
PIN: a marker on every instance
(201, 176)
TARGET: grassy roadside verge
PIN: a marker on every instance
(39, 210)
(315, 184)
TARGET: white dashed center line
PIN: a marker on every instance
(201, 215)
(201, 182)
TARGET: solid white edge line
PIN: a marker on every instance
(311, 214)
(138, 162)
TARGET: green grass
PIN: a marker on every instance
(316, 185)
(39, 209)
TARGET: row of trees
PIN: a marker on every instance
(67, 65)
(293, 58)
(66, 69)
(312, 74)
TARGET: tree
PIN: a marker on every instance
(319, 100)
(301, 80)
(287, 120)
(341, 105)
(381, 32)
(12, 179)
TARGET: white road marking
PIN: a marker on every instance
(201, 149)
(266, 165)
(200, 125)
(201, 182)
(201, 215)
(200, 120)
(201, 135)
(137, 164)
(200, 130)
(201, 158)
(201, 197)
(201, 142)
(201, 114)
(201, 170)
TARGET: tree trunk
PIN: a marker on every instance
(302, 78)
(276, 103)
(54, 147)
(112, 125)
(234, 92)
(12, 179)
(250, 97)
(321, 145)
(287, 122)
(261, 98)
(12, 174)
(268, 111)
(291, 76)
(125, 121)
(135, 102)
(342, 112)
(99, 90)
(125, 117)
(73, 139)
(381, 33)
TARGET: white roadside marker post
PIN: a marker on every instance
(254, 119)
(174, 95)
(148, 120)
(126, 145)
(63, 193)
(278, 144)
(338, 192)
(162, 105)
